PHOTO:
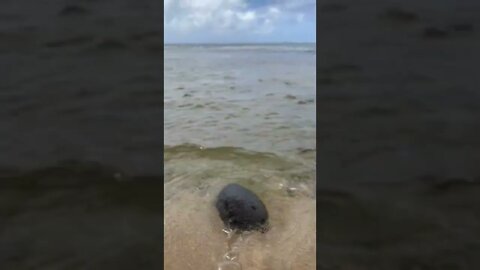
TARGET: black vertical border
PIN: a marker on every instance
(162, 122)
(317, 150)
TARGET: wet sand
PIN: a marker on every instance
(194, 237)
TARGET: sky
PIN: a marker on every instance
(239, 21)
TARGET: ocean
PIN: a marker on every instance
(398, 175)
(81, 170)
(240, 114)
(395, 89)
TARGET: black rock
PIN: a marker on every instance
(240, 209)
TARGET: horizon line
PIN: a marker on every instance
(238, 43)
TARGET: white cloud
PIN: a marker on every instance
(227, 16)
(300, 17)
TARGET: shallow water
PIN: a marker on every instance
(81, 86)
(80, 82)
(239, 114)
(256, 97)
(398, 151)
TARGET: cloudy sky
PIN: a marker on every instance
(239, 21)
